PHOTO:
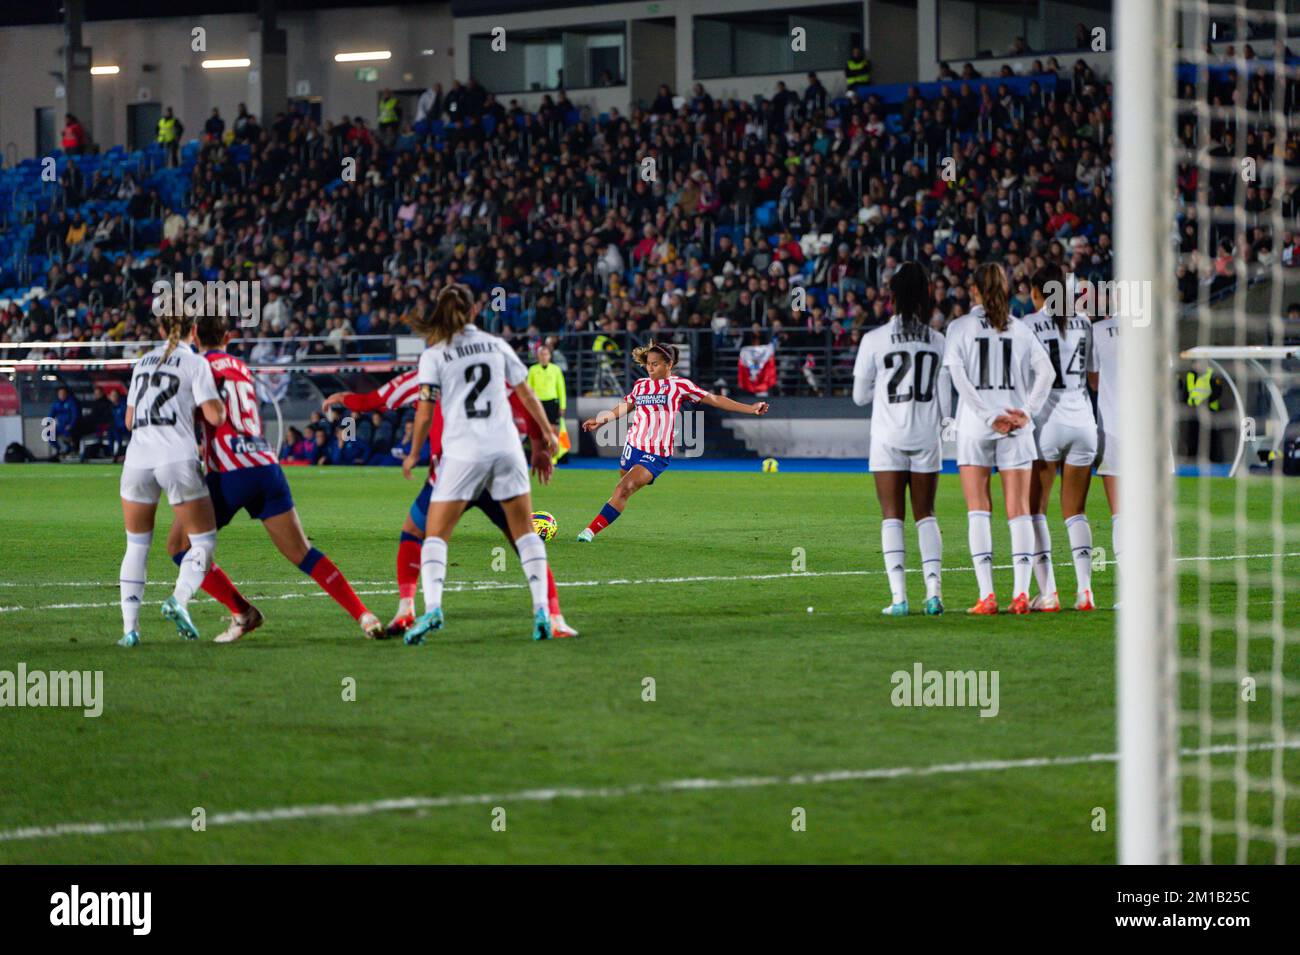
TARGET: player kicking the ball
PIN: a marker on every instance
(243, 474)
(648, 450)
(471, 374)
(899, 371)
(167, 386)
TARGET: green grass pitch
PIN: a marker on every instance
(751, 689)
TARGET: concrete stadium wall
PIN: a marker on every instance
(28, 55)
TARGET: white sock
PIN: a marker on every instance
(931, 543)
(1080, 532)
(1043, 571)
(1022, 552)
(131, 578)
(1114, 539)
(433, 571)
(194, 566)
(980, 534)
(532, 555)
(891, 542)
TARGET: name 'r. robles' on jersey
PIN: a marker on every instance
(472, 377)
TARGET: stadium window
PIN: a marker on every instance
(993, 29)
(536, 61)
(758, 43)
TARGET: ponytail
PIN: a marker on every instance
(991, 281)
(451, 313)
(178, 328)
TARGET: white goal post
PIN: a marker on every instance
(1147, 797)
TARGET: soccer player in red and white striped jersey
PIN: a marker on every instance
(402, 392)
(655, 401)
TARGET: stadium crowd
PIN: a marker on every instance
(745, 203)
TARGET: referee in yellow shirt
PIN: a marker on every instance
(547, 381)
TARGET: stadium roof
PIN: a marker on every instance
(51, 11)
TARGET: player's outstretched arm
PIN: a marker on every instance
(605, 417)
(726, 404)
(528, 398)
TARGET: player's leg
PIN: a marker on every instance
(199, 524)
(1015, 489)
(244, 617)
(924, 486)
(138, 518)
(495, 513)
(409, 545)
(532, 558)
(1075, 480)
(1040, 493)
(285, 531)
(891, 492)
(979, 531)
(439, 524)
(631, 481)
(1110, 483)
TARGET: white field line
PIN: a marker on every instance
(477, 585)
(407, 803)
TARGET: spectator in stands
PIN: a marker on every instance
(814, 97)
(215, 128)
(74, 240)
(74, 139)
(170, 131)
(390, 117)
(65, 414)
(857, 71)
(663, 102)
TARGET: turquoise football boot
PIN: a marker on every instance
(425, 623)
(132, 639)
(933, 606)
(899, 609)
(541, 624)
(173, 611)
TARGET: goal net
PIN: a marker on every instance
(1207, 125)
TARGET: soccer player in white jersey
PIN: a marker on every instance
(899, 371)
(1066, 434)
(1104, 379)
(167, 385)
(471, 374)
(648, 449)
(1002, 375)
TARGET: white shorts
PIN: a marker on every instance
(924, 461)
(1006, 452)
(1107, 454)
(1077, 443)
(182, 480)
(503, 477)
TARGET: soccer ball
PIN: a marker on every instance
(769, 466)
(546, 525)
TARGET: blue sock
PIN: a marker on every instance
(310, 561)
(609, 513)
(410, 537)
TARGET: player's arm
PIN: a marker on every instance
(420, 430)
(726, 404)
(605, 417)
(528, 398)
(208, 397)
(543, 464)
(864, 376)
(355, 401)
(1040, 363)
(214, 412)
(967, 392)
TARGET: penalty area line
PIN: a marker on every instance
(409, 803)
(481, 585)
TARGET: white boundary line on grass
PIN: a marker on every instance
(407, 803)
(477, 585)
